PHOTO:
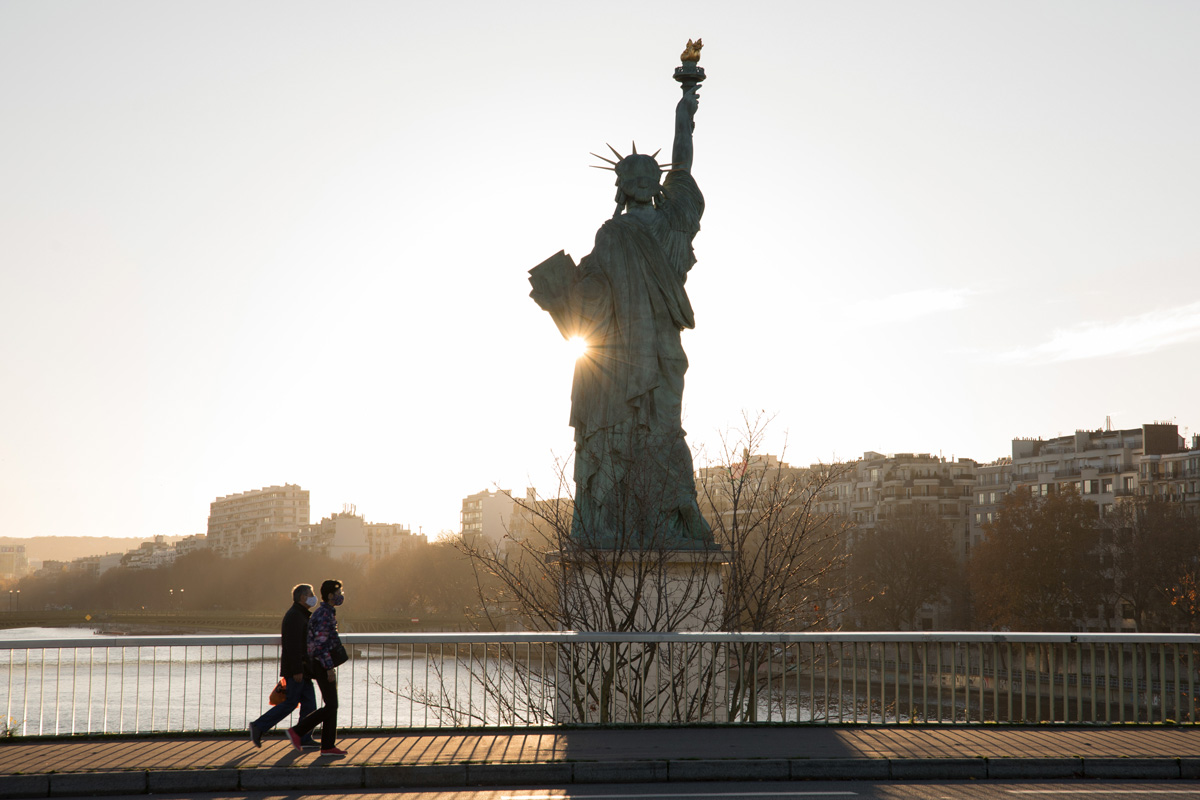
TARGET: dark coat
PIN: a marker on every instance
(294, 632)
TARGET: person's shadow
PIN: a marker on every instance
(286, 759)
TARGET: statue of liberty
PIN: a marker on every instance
(634, 484)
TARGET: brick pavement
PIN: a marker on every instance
(653, 754)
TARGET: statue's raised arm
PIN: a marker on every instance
(689, 76)
(685, 123)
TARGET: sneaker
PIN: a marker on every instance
(255, 736)
(309, 744)
(295, 737)
(332, 751)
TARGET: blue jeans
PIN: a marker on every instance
(298, 693)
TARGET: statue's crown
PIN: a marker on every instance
(625, 163)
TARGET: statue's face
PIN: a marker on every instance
(637, 178)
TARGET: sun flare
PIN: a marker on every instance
(577, 346)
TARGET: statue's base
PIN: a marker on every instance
(648, 680)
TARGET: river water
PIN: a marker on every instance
(82, 689)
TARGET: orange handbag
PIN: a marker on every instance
(279, 693)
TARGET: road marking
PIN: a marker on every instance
(679, 794)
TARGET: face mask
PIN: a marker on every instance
(311, 602)
(339, 598)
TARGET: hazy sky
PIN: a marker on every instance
(251, 243)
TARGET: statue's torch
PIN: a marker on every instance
(688, 73)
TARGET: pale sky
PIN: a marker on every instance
(250, 243)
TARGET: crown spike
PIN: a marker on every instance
(602, 158)
(635, 152)
(655, 153)
(615, 153)
(597, 166)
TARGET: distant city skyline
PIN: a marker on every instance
(266, 244)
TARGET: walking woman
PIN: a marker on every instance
(325, 652)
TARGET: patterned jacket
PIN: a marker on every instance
(322, 635)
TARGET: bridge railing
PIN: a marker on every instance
(126, 684)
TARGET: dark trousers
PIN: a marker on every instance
(299, 693)
(326, 715)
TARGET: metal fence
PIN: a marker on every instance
(123, 684)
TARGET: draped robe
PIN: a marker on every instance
(634, 482)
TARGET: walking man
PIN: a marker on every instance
(292, 666)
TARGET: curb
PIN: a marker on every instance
(1035, 768)
(1143, 768)
(929, 769)
(14, 787)
(94, 783)
(840, 769)
(767, 769)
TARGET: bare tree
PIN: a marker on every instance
(785, 559)
(552, 573)
(777, 566)
(905, 563)
(1039, 567)
(1155, 550)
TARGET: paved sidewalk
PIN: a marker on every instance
(72, 767)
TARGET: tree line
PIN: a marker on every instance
(431, 580)
(1046, 563)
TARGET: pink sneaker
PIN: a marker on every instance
(295, 737)
(332, 751)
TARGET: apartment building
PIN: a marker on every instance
(13, 563)
(384, 539)
(878, 487)
(487, 514)
(191, 544)
(541, 521)
(749, 484)
(1105, 466)
(347, 534)
(150, 555)
(239, 522)
(1169, 470)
